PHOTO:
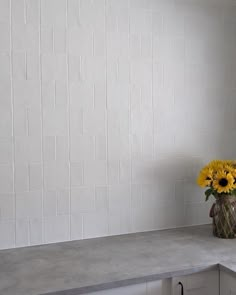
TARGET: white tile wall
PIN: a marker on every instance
(108, 109)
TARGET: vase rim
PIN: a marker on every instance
(225, 197)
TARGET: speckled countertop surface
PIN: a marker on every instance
(77, 267)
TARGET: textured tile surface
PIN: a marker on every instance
(108, 109)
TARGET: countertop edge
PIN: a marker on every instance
(134, 281)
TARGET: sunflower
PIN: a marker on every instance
(205, 177)
(224, 182)
(232, 171)
(216, 165)
(227, 169)
(228, 162)
(233, 164)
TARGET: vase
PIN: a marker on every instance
(223, 213)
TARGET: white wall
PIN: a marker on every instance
(108, 109)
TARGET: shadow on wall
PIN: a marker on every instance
(202, 120)
(188, 203)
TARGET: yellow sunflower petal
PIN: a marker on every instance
(205, 177)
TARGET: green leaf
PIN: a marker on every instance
(208, 193)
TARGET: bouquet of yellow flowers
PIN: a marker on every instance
(220, 178)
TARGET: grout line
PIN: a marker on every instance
(27, 121)
(13, 122)
(26, 67)
(80, 68)
(55, 93)
(42, 125)
(25, 12)
(57, 198)
(82, 225)
(130, 124)
(107, 120)
(53, 40)
(93, 44)
(28, 231)
(94, 95)
(29, 180)
(79, 11)
(153, 111)
(94, 142)
(55, 139)
(68, 119)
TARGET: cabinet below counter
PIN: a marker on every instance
(203, 283)
(134, 264)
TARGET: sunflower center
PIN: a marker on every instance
(223, 182)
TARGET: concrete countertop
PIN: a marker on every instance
(77, 267)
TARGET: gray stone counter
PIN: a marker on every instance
(73, 268)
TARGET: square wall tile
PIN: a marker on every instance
(76, 227)
(76, 172)
(25, 37)
(6, 179)
(53, 12)
(22, 232)
(18, 12)
(63, 202)
(35, 177)
(56, 229)
(7, 206)
(53, 67)
(26, 93)
(56, 175)
(22, 178)
(55, 122)
(29, 204)
(6, 150)
(82, 199)
(95, 172)
(35, 231)
(80, 41)
(4, 11)
(5, 37)
(82, 148)
(95, 224)
(5, 66)
(49, 203)
(7, 232)
(28, 149)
